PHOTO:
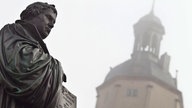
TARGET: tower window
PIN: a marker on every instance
(132, 92)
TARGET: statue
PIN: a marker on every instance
(29, 76)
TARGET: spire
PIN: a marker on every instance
(152, 8)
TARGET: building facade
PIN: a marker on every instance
(144, 80)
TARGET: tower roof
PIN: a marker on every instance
(143, 67)
(150, 18)
(146, 63)
(145, 60)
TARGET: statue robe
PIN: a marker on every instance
(29, 76)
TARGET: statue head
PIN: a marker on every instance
(35, 9)
(42, 16)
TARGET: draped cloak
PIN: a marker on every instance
(29, 76)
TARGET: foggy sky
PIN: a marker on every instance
(92, 35)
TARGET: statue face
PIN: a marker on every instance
(44, 22)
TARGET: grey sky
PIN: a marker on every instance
(92, 35)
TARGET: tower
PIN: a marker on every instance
(144, 80)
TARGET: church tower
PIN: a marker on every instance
(144, 80)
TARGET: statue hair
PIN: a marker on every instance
(35, 9)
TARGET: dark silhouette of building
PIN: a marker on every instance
(143, 81)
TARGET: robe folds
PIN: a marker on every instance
(29, 76)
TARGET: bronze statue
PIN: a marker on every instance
(29, 76)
